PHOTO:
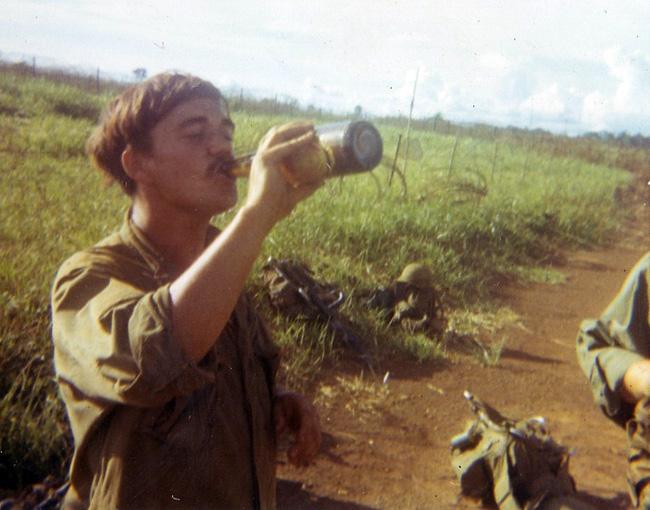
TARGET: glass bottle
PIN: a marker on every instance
(343, 148)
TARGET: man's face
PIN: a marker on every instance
(183, 166)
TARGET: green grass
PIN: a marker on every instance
(472, 226)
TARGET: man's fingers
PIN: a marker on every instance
(305, 190)
(310, 446)
(285, 132)
(280, 423)
(280, 151)
(302, 419)
(308, 440)
(301, 455)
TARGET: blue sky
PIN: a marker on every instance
(567, 66)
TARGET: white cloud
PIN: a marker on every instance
(405, 92)
(623, 103)
(549, 102)
(595, 109)
(319, 95)
(483, 61)
(632, 71)
(495, 61)
(446, 100)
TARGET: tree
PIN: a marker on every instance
(140, 73)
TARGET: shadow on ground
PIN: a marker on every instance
(526, 356)
(291, 496)
(620, 501)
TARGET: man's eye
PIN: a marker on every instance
(203, 135)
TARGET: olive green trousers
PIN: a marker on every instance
(638, 455)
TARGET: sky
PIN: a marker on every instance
(566, 66)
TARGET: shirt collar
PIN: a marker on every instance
(135, 237)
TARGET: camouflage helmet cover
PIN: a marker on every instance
(417, 275)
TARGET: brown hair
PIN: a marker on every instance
(130, 117)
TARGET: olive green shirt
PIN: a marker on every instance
(606, 347)
(151, 428)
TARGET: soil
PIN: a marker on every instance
(387, 445)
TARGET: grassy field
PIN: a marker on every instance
(476, 224)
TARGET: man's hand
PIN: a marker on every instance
(269, 191)
(636, 382)
(294, 414)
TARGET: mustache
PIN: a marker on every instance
(223, 163)
(228, 163)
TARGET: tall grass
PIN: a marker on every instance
(473, 227)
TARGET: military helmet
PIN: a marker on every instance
(418, 275)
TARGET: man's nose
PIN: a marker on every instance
(218, 144)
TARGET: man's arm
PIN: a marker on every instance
(636, 382)
(613, 351)
(199, 312)
(112, 340)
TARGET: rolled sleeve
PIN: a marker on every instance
(114, 341)
(607, 347)
(605, 365)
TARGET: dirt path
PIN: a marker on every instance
(396, 455)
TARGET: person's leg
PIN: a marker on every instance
(638, 458)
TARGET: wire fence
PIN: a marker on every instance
(482, 150)
(93, 80)
(488, 154)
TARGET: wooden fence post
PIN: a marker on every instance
(408, 124)
(392, 171)
(524, 169)
(494, 158)
(451, 158)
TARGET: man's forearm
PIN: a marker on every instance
(205, 295)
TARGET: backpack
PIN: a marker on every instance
(515, 465)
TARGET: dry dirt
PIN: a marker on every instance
(387, 445)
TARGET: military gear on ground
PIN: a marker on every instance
(638, 470)
(418, 275)
(515, 465)
(411, 301)
(294, 291)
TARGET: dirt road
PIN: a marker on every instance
(387, 446)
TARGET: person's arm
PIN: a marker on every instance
(205, 295)
(618, 342)
(636, 382)
(112, 340)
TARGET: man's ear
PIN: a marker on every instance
(134, 164)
